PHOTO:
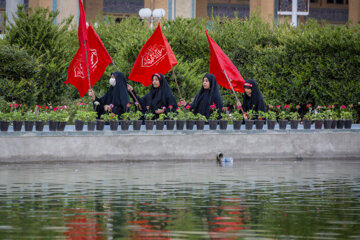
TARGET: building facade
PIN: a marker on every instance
(332, 11)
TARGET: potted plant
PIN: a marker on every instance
(294, 120)
(62, 116)
(319, 119)
(91, 120)
(135, 119)
(225, 118)
(149, 123)
(200, 121)
(214, 116)
(29, 117)
(124, 122)
(190, 119)
(5, 121)
(307, 120)
(160, 122)
(237, 118)
(17, 120)
(328, 115)
(180, 118)
(283, 117)
(80, 118)
(259, 123)
(249, 120)
(335, 119)
(346, 117)
(271, 120)
(53, 122)
(170, 121)
(112, 118)
(41, 118)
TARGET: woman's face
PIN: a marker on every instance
(206, 83)
(248, 91)
(156, 82)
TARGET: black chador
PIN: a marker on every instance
(158, 97)
(255, 101)
(207, 97)
(117, 95)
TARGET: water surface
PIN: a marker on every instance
(181, 200)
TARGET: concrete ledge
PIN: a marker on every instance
(70, 145)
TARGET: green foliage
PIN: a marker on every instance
(283, 115)
(109, 116)
(5, 116)
(51, 47)
(162, 117)
(251, 114)
(42, 117)
(294, 116)
(309, 116)
(135, 115)
(261, 115)
(271, 115)
(16, 116)
(30, 116)
(81, 115)
(200, 117)
(180, 114)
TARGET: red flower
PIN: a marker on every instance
(170, 106)
(238, 107)
(128, 105)
(187, 107)
(287, 106)
(309, 105)
(46, 107)
(278, 106)
(343, 107)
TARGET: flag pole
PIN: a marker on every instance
(176, 81)
(237, 100)
(87, 65)
(131, 92)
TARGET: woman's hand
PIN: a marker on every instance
(238, 103)
(130, 88)
(92, 94)
(245, 116)
(182, 102)
(159, 111)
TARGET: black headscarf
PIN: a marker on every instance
(256, 101)
(116, 95)
(158, 97)
(207, 97)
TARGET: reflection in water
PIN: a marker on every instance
(181, 200)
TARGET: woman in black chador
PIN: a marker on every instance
(159, 98)
(253, 99)
(208, 95)
(115, 99)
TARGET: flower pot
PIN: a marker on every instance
(294, 124)
(318, 124)
(249, 124)
(125, 124)
(170, 124)
(334, 123)
(223, 124)
(29, 125)
(327, 124)
(39, 126)
(52, 125)
(17, 125)
(348, 124)
(114, 125)
(137, 125)
(340, 124)
(149, 124)
(307, 124)
(213, 124)
(159, 124)
(282, 124)
(5, 126)
(91, 125)
(79, 125)
(200, 124)
(100, 125)
(190, 124)
(270, 124)
(237, 124)
(180, 124)
(61, 126)
(259, 124)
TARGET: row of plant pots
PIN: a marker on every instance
(178, 124)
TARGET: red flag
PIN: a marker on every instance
(99, 59)
(220, 62)
(83, 38)
(155, 56)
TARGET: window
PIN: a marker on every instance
(313, 1)
(339, 1)
(330, 1)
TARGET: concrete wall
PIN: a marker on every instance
(177, 145)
